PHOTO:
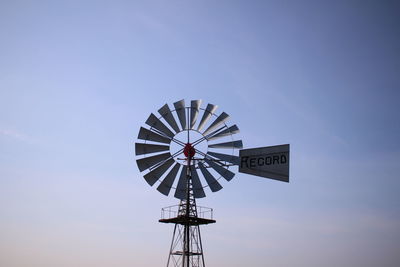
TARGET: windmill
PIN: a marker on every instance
(189, 150)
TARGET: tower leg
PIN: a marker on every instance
(182, 256)
(172, 245)
(201, 246)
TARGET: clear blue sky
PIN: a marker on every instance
(79, 78)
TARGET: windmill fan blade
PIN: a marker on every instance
(211, 181)
(180, 110)
(218, 121)
(231, 130)
(154, 122)
(166, 185)
(194, 112)
(166, 113)
(141, 149)
(146, 134)
(148, 162)
(225, 157)
(227, 174)
(155, 174)
(198, 191)
(210, 109)
(233, 144)
(180, 192)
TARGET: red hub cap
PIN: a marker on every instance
(189, 150)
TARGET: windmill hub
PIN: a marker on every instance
(199, 149)
(189, 151)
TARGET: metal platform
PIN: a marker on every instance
(187, 220)
(186, 248)
(171, 215)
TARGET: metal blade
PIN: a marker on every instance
(194, 112)
(166, 113)
(166, 185)
(227, 174)
(180, 110)
(210, 109)
(180, 192)
(198, 191)
(231, 130)
(146, 134)
(141, 149)
(225, 157)
(218, 121)
(148, 162)
(211, 181)
(154, 122)
(155, 174)
(233, 144)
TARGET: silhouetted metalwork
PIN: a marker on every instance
(196, 169)
(186, 246)
(163, 164)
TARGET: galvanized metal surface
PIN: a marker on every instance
(180, 110)
(166, 113)
(141, 149)
(147, 135)
(232, 144)
(207, 115)
(148, 162)
(161, 164)
(211, 181)
(225, 157)
(269, 162)
(227, 174)
(166, 185)
(231, 130)
(218, 121)
(155, 174)
(180, 191)
(194, 112)
(198, 191)
(154, 122)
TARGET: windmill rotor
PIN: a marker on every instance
(187, 139)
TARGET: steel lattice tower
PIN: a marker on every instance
(186, 247)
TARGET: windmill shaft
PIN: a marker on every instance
(186, 240)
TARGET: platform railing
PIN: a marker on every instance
(172, 212)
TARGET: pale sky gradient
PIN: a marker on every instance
(79, 78)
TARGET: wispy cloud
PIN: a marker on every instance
(16, 135)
